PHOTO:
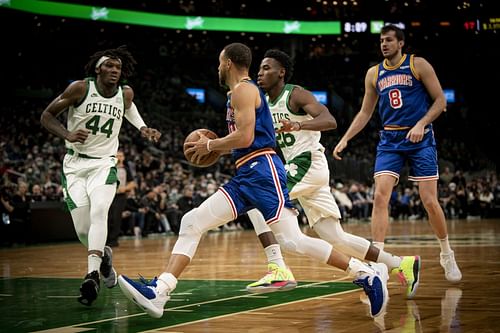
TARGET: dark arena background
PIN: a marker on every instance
(45, 46)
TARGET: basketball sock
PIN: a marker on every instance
(273, 253)
(94, 263)
(379, 245)
(166, 283)
(390, 260)
(445, 245)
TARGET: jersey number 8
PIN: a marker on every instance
(395, 98)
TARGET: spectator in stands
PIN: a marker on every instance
(461, 195)
(459, 178)
(37, 194)
(133, 216)
(6, 209)
(360, 205)
(473, 203)
(404, 204)
(20, 217)
(343, 200)
(185, 203)
(486, 200)
(446, 176)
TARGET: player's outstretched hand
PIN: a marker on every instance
(152, 134)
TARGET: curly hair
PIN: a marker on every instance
(284, 59)
(121, 52)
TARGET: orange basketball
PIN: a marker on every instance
(208, 159)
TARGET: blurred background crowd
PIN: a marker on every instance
(45, 53)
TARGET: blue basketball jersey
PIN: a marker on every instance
(264, 129)
(403, 99)
(260, 180)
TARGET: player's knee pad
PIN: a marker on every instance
(259, 223)
(290, 244)
(189, 235)
(212, 213)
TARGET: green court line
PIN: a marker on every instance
(50, 303)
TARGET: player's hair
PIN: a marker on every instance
(121, 52)
(239, 54)
(284, 60)
(400, 35)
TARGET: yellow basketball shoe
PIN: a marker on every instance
(276, 279)
(408, 273)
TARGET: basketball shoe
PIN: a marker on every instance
(375, 286)
(451, 270)
(144, 294)
(106, 269)
(408, 273)
(89, 288)
(276, 279)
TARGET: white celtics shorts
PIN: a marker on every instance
(82, 175)
(308, 181)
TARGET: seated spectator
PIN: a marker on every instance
(486, 202)
(360, 205)
(133, 217)
(446, 176)
(20, 217)
(404, 204)
(343, 200)
(37, 194)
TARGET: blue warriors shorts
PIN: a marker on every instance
(394, 150)
(259, 183)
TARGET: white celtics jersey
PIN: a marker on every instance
(102, 117)
(292, 144)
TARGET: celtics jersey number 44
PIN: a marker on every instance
(102, 117)
(292, 144)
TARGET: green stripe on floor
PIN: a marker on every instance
(34, 304)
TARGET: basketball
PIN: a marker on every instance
(208, 159)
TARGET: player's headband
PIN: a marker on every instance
(103, 59)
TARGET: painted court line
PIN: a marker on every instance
(250, 311)
(71, 328)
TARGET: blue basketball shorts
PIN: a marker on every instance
(422, 162)
(259, 183)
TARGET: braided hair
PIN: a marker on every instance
(121, 52)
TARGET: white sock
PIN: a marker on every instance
(273, 253)
(356, 267)
(379, 245)
(390, 260)
(94, 262)
(166, 283)
(445, 245)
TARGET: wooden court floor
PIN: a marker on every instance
(39, 285)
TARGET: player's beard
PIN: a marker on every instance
(222, 79)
